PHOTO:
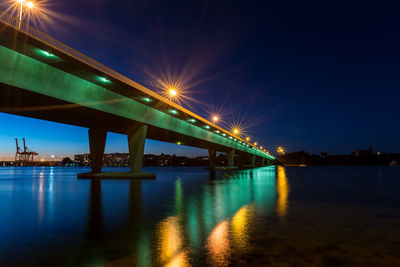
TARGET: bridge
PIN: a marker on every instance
(43, 78)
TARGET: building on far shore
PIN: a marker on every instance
(122, 159)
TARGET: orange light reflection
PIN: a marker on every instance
(170, 243)
(218, 245)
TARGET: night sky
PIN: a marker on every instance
(321, 76)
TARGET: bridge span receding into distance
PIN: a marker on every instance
(43, 78)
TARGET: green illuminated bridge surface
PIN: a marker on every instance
(43, 78)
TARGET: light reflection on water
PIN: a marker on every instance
(283, 191)
(187, 216)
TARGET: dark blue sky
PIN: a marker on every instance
(302, 74)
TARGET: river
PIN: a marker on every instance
(279, 216)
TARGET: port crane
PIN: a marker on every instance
(24, 156)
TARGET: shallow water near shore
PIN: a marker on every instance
(279, 216)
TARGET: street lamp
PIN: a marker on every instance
(21, 3)
(172, 92)
(215, 118)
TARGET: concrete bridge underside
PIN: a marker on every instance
(60, 89)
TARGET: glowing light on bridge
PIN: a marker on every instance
(30, 4)
(30, 11)
(48, 54)
(172, 92)
(215, 112)
(247, 139)
(173, 86)
(21, 4)
(104, 80)
(215, 118)
(236, 131)
(255, 143)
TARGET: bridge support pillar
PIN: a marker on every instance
(136, 142)
(97, 143)
(212, 154)
(253, 161)
(231, 158)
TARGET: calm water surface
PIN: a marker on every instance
(336, 216)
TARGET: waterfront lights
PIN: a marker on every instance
(280, 150)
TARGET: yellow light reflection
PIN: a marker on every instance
(283, 191)
(240, 229)
(218, 245)
(170, 243)
(179, 260)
